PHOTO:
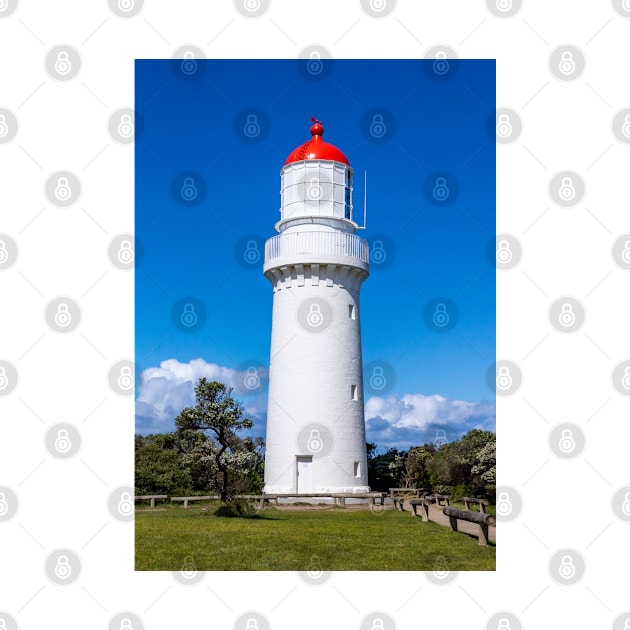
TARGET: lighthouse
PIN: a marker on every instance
(316, 265)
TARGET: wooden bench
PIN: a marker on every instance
(338, 498)
(481, 502)
(443, 497)
(398, 503)
(186, 500)
(423, 504)
(483, 520)
(153, 497)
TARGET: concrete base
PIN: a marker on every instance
(333, 490)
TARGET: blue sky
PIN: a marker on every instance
(227, 127)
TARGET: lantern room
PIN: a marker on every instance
(316, 181)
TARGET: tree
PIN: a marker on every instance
(484, 470)
(418, 466)
(160, 471)
(458, 466)
(384, 470)
(220, 417)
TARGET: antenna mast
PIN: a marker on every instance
(362, 227)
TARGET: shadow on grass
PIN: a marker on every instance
(236, 509)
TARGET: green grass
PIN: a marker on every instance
(332, 539)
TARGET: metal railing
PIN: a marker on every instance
(317, 243)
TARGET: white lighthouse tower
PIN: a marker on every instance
(316, 265)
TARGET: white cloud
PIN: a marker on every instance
(165, 390)
(395, 421)
(414, 419)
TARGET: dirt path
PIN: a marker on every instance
(437, 516)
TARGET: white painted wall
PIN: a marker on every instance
(311, 373)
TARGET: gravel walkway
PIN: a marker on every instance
(436, 516)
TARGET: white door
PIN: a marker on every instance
(304, 474)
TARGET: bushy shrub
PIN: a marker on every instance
(441, 488)
(462, 490)
(238, 508)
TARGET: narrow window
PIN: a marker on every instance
(351, 314)
(357, 469)
(353, 392)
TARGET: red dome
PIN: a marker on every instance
(316, 148)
